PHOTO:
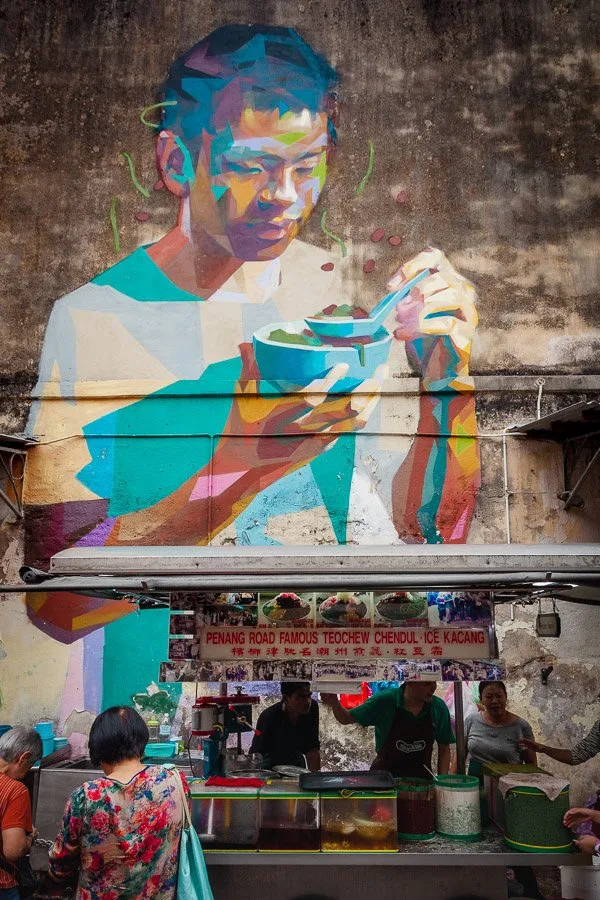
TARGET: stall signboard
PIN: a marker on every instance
(340, 643)
(321, 635)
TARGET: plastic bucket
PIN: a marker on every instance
(164, 750)
(47, 746)
(45, 729)
(581, 882)
(457, 807)
(60, 743)
(416, 809)
(534, 823)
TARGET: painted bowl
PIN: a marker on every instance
(287, 364)
(342, 326)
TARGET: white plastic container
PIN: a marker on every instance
(458, 813)
(581, 882)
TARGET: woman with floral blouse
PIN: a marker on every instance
(120, 833)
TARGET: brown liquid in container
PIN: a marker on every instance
(416, 809)
(273, 837)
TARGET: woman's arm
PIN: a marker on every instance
(563, 756)
(65, 853)
(581, 814)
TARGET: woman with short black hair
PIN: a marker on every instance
(120, 833)
(117, 734)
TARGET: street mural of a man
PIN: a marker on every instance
(155, 425)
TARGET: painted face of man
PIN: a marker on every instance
(259, 180)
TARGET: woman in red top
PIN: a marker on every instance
(19, 749)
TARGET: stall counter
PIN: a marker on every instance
(439, 869)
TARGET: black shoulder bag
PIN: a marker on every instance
(23, 874)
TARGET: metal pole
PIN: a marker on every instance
(459, 724)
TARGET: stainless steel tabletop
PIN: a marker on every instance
(489, 851)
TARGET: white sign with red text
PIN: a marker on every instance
(340, 644)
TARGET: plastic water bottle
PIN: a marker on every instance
(165, 729)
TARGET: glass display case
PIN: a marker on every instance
(289, 818)
(226, 818)
(354, 821)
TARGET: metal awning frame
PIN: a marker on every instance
(513, 573)
(573, 450)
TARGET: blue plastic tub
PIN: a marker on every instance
(60, 743)
(163, 750)
(4, 729)
(45, 730)
(47, 746)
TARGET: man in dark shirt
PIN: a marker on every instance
(289, 730)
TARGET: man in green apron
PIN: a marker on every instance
(408, 721)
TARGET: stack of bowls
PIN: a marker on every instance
(45, 730)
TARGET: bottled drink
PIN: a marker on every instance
(165, 729)
(153, 730)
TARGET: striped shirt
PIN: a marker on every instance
(15, 812)
(588, 746)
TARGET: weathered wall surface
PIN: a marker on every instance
(481, 122)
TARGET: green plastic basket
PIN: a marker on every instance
(534, 823)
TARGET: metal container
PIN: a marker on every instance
(359, 821)
(205, 715)
(226, 818)
(580, 882)
(289, 819)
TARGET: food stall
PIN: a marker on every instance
(337, 617)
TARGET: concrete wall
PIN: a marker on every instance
(481, 121)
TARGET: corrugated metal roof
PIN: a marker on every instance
(572, 421)
(16, 441)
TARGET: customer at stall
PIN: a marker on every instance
(288, 732)
(588, 747)
(493, 733)
(408, 721)
(19, 749)
(586, 821)
(120, 833)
